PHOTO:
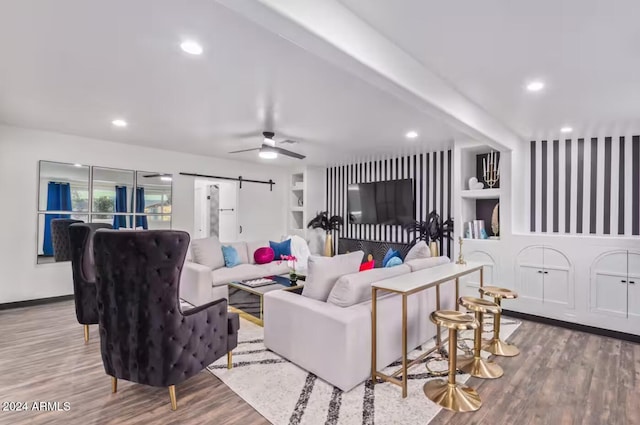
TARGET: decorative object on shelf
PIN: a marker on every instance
(495, 223)
(474, 184)
(329, 225)
(475, 230)
(491, 169)
(300, 201)
(291, 261)
(460, 257)
(432, 230)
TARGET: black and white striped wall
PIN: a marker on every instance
(432, 187)
(585, 186)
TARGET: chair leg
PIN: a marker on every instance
(229, 360)
(86, 333)
(114, 384)
(172, 396)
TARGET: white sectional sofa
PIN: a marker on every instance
(332, 339)
(205, 277)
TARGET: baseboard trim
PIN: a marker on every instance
(573, 326)
(31, 303)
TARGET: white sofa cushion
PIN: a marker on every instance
(241, 249)
(207, 252)
(225, 275)
(323, 272)
(253, 246)
(418, 251)
(355, 288)
(425, 263)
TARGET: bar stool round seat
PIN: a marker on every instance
(447, 393)
(496, 346)
(476, 365)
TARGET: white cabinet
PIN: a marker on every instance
(544, 276)
(615, 284)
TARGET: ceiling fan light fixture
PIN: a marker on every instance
(267, 154)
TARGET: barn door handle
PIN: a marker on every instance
(240, 229)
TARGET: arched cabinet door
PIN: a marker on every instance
(544, 276)
(529, 270)
(609, 284)
(469, 284)
(634, 284)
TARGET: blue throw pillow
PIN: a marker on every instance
(394, 261)
(389, 255)
(280, 248)
(231, 257)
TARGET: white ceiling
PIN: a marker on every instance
(72, 66)
(585, 50)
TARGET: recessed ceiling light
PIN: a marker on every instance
(566, 130)
(191, 47)
(411, 135)
(268, 154)
(534, 86)
(119, 123)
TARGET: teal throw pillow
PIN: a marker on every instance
(394, 261)
(391, 253)
(231, 257)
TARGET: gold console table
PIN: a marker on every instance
(406, 285)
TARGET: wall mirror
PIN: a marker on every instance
(153, 200)
(91, 194)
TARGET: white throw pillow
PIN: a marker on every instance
(323, 272)
(419, 250)
(208, 252)
(300, 250)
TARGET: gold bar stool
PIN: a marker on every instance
(446, 393)
(476, 365)
(495, 345)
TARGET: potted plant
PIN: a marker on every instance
(328, 224)
(291, 261)
(432, 230)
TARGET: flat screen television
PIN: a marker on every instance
(386, 202)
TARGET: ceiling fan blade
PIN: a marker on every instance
(288, 153)
(246, 150)
(289, 141)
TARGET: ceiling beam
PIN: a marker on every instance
(330, 30)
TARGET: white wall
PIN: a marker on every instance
(263, 213)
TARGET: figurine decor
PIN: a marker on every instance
(460, 257)
(491, 169)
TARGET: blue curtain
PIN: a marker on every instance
(141, 220)
(58, 199)
(121, 207)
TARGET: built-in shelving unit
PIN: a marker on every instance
(306, 197)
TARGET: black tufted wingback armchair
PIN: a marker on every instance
(145, 337)
(84, 273)
(60, 238)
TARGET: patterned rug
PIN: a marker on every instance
(286, 394)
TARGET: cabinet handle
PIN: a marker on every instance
(633, 282)
(539, 271)
(624, 281)
(546, 272)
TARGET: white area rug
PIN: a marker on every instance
(286, 394)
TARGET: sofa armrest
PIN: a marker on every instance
(195, 284)
(332, 342)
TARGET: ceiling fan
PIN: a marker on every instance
(269, 150)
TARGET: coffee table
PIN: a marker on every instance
(249, 302)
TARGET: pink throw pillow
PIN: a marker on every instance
(264, 255)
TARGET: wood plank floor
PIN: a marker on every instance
(561, 377)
